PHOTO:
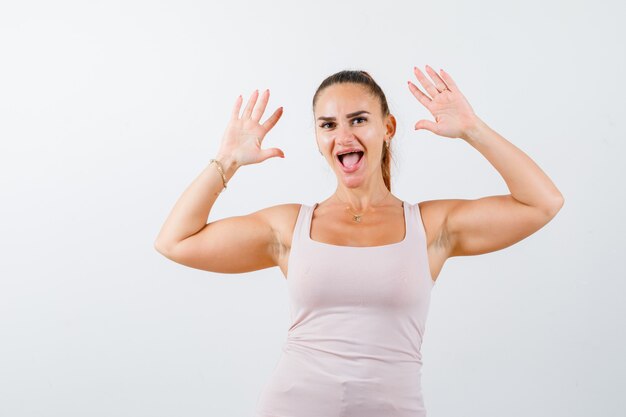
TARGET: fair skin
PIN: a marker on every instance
(335, 131)
(454, 227)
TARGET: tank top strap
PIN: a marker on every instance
(418, 225)
(409, 214)
(300, 228)
(421, 240)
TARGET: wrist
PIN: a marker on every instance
(227, 167)
(474, 130)
(228, 163)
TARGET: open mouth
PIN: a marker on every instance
(350, 160)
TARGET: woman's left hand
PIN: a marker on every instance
(454, 116)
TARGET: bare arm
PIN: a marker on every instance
(234, 244)
(191, 211)
(491, 223)
(472, 227)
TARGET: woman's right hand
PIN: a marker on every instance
(243, 136)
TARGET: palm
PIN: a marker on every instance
(452, 112)
(244, 134)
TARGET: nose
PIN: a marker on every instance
(345, 135)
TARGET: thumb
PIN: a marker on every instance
(271, 152)
(426, 124)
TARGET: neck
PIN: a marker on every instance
(359, 201)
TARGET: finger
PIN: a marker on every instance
(427, 125)
(248, 110)
(260, 107)
(439, 83)
(236, 108)
(448, 79)
(428, 86)
(268, 153)
(271, 121)
(421, 97)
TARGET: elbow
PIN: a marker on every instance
(556, 205)
(161, 247)
(157, 246)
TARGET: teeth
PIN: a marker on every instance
(339, 155)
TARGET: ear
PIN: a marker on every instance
(390, 123)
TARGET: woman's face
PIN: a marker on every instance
(347, 116)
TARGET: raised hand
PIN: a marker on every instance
(243, 136)
(453, 114)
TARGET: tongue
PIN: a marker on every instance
(350, 159)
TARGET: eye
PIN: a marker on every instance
(356, 118)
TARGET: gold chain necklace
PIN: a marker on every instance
(357, 217)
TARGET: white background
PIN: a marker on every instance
(108, 110)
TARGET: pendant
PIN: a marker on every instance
(355, 217)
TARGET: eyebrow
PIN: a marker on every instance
(356, 113)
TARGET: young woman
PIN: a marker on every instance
(360, 265)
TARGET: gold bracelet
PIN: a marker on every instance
(219, 167)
